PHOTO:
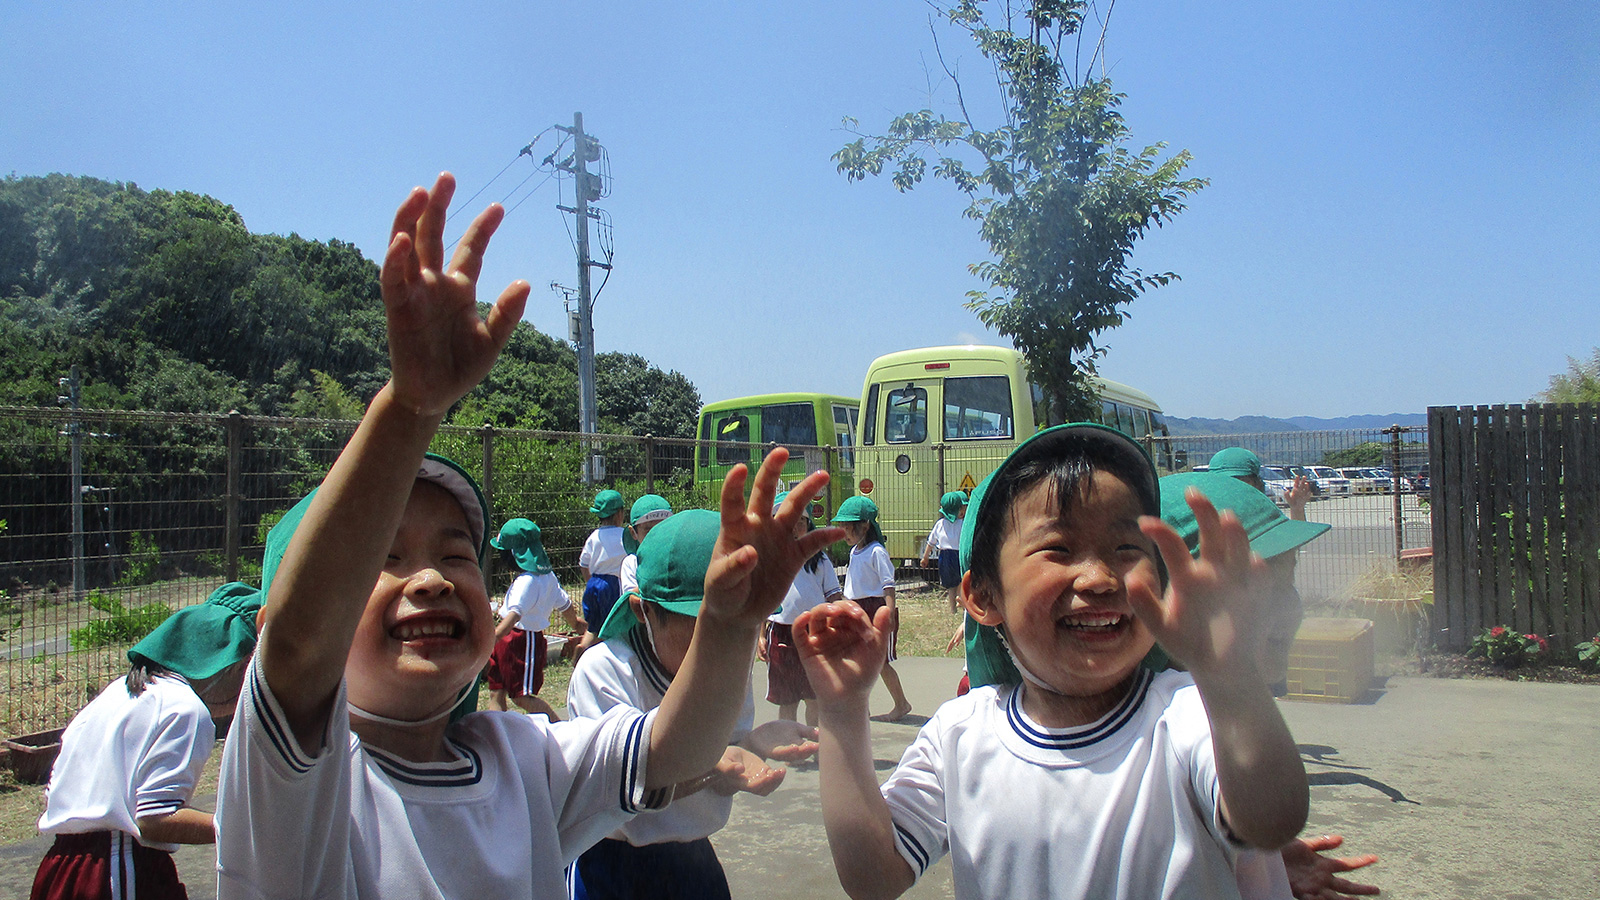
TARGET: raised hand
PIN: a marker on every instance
(842, 650)
(782, 740)
(1313, 876)
(439, 348)
(757, 555)
(1212, 618)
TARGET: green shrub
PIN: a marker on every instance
(144, 556)
(1589, 654)
(1505, 648)
(123, 625)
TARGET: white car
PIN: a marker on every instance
(1332, 483)
(1278, 482)
(1361, 481)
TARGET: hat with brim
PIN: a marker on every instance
(856, 509)
(435, 469)
(951, 503)
(1271, 532)
(199, 641)
(521, 538)
(987, 659)
(1236, 462)
(646, 509)
(606, 504)
(673, 560)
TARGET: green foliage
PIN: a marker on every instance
(1589, 654)
(1579, 384)
(123, 625)
(1060, 198)
(1507, 649)
(1369, 453)
(142, 560)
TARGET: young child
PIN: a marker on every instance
(787, 685)
(600, 563)
(642, 516)
(944, 540)
(668, 854)
(118, 796)
(1299, 870)
(516, 665)
(869, 582)
(1069, 770)
(343, 776)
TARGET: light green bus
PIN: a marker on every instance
(818, 429)
(941, 418)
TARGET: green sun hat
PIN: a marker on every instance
(199, 641)
(1271, 532)
(435, 469)
(606, 504)
(649, 508)
(673, 560)
(951, 504)
(1236, 462)
(857, 509)
(522, 538)
(988, 662)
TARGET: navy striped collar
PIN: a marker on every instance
(463, 771)
(1080, 736)
(649, 664)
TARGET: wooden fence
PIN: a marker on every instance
(1516, 521)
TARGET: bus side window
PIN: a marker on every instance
(1125, 419)
(735, 429)
(906, 416)
(705, 441)
(869, 430)
(1141, 424)
(1108, 414)
(977, 407)
(844, 435)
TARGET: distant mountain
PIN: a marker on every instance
(1267, 424)
(1363, 422)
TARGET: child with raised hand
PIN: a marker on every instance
(1299, 870)
(118, 800)
(344, 776)
(869, 583)
(668, 854)
(517, 663)
(1070, 770)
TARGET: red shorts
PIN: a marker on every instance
(106, 865)
(786, 678)
(871, 605)
(516, 665)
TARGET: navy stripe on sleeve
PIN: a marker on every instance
(919, 855)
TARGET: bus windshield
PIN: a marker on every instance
(905, 418)
(978, 407)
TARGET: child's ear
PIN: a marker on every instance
(983, 608)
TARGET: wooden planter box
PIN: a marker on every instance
(33, 755)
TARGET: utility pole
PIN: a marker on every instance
(587, 189)
(74, 432)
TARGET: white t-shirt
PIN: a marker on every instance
(1126, 807)
(808, 590)
(870, 572)
(628, 575)
(535, 598)
(125, 757)
(520, 799)
(624, 671)
(603, 552)
(1262, 875)
(946, 535)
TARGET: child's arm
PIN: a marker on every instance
(843, 653)
(755, 561)
(439, 349)
(181, 826)
(961, 633)
(507, 622)
(1211, 621)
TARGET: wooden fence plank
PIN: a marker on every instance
(1514, 554)
(1464, 585)
(1443, 463)
(1569, 565)
(1586, 503)
(1476, 589)
(1544, 492)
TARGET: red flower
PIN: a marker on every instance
(1497, 631)
(1539, 639)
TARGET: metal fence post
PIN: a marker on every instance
(488, 490)
(649, 464)
(1399, 524)
(939, 449)
(234, 423)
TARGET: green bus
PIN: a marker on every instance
(818, 429)
(939, 419)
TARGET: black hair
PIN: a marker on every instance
(874, 534)
(140, 674)
(510, 559)
(816, 558)
(1069, 471)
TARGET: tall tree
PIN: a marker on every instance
(1060, 198)
(1579, 384)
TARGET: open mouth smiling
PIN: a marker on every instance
(1095, 623)
(427, 628)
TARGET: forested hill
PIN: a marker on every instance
(167, 301)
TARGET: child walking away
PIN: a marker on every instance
(1300, 870)
(944, 543)
(600, 563)
(869, 582)
(668, 854)
(118, 797)
(1070, 771)
(816, 584)
(344, 776)
(643, 516)
(516, 665)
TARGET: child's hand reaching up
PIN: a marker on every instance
(842, 650)
(438, 346)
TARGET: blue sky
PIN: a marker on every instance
(1398, 216)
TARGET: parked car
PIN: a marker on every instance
(1318, 492)
(1332, 483)
(1361, 481)
(1279, 482)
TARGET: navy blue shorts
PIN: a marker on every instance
(617, 870)
(599, 595)
(949, 568)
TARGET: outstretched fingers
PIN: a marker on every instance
(468, 259)
(765, 487)
(430, 228)
(507, 312)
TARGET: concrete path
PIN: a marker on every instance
(1465, 789)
